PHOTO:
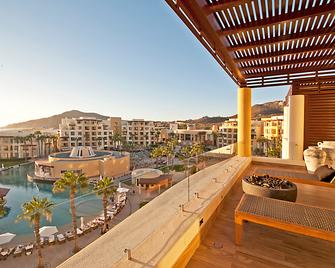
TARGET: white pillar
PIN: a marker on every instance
(294, 128)
(285, 144)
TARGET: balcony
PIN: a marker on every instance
(176, 231)
(202, 234)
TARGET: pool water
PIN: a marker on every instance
(21, 190)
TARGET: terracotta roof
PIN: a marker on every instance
(3, 192)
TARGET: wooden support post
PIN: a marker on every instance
(238, 230)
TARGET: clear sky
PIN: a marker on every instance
(129, 58)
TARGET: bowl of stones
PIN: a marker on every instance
(272, 187)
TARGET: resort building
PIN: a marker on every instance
(140, 132)
(273, 127)
(191, 135)
(87, 131)
(27, 143)
(149, 180)
(228, 132)
(82, 159)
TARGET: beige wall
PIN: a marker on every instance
(110, 166)
(114, 167)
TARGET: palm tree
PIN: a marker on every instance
(157, 135)
(2, 207)
(17, 140)
(54, 139)
(32, 212)
(72, 181)
(30, 138)
(38, 135)
(196, 150)
(156, 153)
(24, 141)
(105, 188)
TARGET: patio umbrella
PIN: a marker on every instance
(46, 231)
(6, 238)
(82, 225)
(122, 190)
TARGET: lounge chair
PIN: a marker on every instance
(79, 232)
(51, 240)
(86, 228)
(61, 238)
(18, 250)
(4, 253)
(11, 250)
(29, 246)
(69, 235)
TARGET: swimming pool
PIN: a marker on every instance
(21, 190)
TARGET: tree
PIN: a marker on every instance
(2, 207)
(196, 150)
(168, 150)
(72, 181)
(156, 153)
(32, 212)
(105, 188)
(30, 138)
(54, 139)
(38, 135)
(157, 135)
(18, 140)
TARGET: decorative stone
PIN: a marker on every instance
(271, 187)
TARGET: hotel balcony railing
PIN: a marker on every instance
(171, 220)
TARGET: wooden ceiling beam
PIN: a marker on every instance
(285, 53)
(283, 38)
(291, 71)
(280, 19)
(197, 15)
(223, 5)
(286, 63)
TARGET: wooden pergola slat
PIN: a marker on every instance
(255, 41)
(284, 53)
(283, 18)
(280, 39)
(287, 63)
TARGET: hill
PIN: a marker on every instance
(257, 111)
(54, 121)
(267, 109)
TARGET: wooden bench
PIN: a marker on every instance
(293, 217)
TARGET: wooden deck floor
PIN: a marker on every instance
(263, 246)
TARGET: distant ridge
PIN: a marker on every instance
(257, 111)
(54, 121)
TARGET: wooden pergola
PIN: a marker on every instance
(262, 43)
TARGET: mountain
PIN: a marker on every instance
(53, 121)
(257, 111)
(267, 109)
